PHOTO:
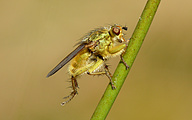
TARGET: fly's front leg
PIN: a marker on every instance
(119, 48)
(74, 91)
(127, 67)
(99, 63)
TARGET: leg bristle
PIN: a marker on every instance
(73, 93)
(108, 74)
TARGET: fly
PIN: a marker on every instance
(90, 56)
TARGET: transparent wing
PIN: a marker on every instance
(66, 59)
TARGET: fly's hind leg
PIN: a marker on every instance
(73, 93)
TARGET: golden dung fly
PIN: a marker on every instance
(89, 57)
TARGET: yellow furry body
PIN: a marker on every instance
(89, 57)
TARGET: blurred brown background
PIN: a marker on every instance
(36, 35)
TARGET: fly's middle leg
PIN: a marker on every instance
(74, 91)
(106, 72)
(127, 66)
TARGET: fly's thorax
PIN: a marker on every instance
(99, 35)
(102, 46)
(95, 35)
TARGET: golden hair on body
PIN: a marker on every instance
(90, 56)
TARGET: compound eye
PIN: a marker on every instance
(116, 30)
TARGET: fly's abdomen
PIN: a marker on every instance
(80, 63)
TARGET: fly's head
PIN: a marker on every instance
(116, 33)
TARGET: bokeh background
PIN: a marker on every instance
(35, 35)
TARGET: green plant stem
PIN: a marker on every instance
(121, 73)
